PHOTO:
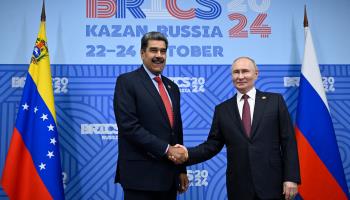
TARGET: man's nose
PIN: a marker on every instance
(158, 54)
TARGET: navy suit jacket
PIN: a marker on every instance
(144, 133)
(257, 165)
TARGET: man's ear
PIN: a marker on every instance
(142, 53)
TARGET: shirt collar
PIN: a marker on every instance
(150, 74)
(251, 93)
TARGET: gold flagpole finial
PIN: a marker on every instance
(43, 15)
(306, 22)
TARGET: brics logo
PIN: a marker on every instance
(100, 8)
(207, 9)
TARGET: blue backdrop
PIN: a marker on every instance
(89, 49)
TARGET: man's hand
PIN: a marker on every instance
(178, 154)
(290, 189)
(184, 183)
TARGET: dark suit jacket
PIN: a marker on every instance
(144, 132)
(259, 164)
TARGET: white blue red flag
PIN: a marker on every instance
(33, 167)
(321, 169)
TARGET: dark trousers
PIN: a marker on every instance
(150, 195)
(257, 198)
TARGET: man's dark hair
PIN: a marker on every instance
(152, 36)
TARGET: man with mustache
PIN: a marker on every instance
(255, 127)
(147, 111)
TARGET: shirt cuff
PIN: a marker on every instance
(166, 151)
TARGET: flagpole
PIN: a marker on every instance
(306, 21)
(43, 15)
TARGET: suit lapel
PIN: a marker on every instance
(235, 115)
(149, 86)
(259, 108)
(170, 91)
(172, 96)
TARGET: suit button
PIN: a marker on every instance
(172, 133)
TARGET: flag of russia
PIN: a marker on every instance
(321, 169)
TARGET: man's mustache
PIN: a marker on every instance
(158, 60)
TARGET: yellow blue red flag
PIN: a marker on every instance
(33, 168)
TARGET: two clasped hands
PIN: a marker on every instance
(178, 154)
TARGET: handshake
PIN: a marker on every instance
(177, 153)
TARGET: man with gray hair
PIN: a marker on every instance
(255, 126)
